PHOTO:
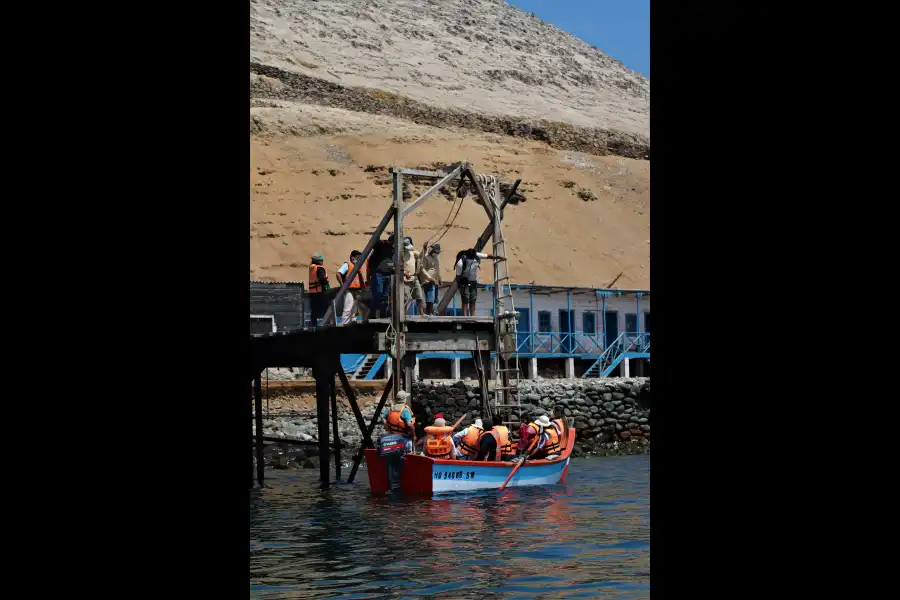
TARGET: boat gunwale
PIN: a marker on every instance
(570, 444)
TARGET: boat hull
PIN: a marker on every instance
(425, 475)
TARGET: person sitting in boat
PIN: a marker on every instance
(438, 440)
(467, 441)
(561, 424)
(506, 447)
(547, 441)
(489, 444)
(399, 419)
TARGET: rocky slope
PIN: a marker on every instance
(329, 115)
(483, 56)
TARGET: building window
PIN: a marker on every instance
(262, 324)
(544, 321)
(631, 323)
(589, 322)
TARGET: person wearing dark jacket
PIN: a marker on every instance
(488, 446)
(381, 267)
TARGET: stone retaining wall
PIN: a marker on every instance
(610, 416)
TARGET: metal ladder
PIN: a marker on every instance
(506, 361)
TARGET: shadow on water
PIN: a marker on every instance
(587, 538)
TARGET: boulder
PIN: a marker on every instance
(617, 396)
(624, 435)
(642, 421)
(608, 406)
(645, 428)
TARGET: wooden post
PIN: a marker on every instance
(322, 371)
(334, 423)
(351, 398)
(260, 459)
(252, 442)
(398, 306)
(384, 396)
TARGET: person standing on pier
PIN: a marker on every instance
(430, 276)
(412, 264)
(318, 285)
(352, 304)
(379, 271)
(467, 263)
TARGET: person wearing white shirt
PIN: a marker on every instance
(467, 263)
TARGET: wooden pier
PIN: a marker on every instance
(401, 336)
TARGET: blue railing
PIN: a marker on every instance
(627, 343)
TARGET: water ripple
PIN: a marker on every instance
(587, 538)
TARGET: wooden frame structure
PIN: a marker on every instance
(400, 336)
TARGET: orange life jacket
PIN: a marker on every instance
(471, 441)
(503, 443)
(315, 286)
(548, 438)
(395, 424)
(357, 282)
(499, 452)
(438, 443)
(561, 429)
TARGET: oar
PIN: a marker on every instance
(521, 462)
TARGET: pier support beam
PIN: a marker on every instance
(388, 368)
(252, 431)
(416, 369)
(626, 371)
(375, 417)
(570, 368)
(324, 374)
(334, 424)
(532, 367)
(260, 459)
(454, 369)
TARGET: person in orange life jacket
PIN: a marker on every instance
(547, 438)
(561, 424)
(506, 448)
(318, 285)
(438, 442)
(354, 291)
(467, 441)
(399, 418)
(489, 444)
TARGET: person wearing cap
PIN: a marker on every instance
(399, 418)
(411, 266)
(467, 263)
(468, 441)
(352, 304)
(318, 285)
(438, 440)
(430, 276)
(379, 269)
(489, 443)
(546, 442)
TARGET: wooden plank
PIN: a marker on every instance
(435, 188)
(416, 172)
(461, 341)
(375, 417)
(376, 235)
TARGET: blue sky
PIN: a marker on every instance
(620, 28)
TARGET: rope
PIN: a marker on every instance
(446, 226)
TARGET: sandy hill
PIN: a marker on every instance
(341, 90)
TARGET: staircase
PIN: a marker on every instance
(630, 345)
(369, 367)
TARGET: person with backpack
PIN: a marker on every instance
(467, 263)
